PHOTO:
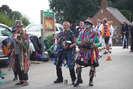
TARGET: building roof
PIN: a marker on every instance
(118, 15)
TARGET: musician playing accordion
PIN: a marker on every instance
(89, 42)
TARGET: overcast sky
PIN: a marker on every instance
(29, 8)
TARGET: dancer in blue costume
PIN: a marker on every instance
(65, 53)
(89, 42)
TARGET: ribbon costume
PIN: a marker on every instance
(90, 56)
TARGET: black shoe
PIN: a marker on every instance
(105, 52)
(15, 79)
(90, 83)
(78, 82)
(58, 81)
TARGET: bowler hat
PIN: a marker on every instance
(18, 23)
(89, 20)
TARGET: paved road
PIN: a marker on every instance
(115, 74)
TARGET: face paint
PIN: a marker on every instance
(87, 26)
(67, 29)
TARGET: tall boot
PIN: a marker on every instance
(72, 74)
(59, 75)
(91, 78)
(79, 80)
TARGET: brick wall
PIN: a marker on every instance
(109, 16)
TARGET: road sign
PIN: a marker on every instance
(48, 21)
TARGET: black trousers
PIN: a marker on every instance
(59, 72)
(20, 72)
(15, 73)
(132, 42)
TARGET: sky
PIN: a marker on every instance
(28, 8)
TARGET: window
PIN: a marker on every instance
(56, 29)
(34, 28)
(4, 31)
(61, 29)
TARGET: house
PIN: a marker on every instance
(112, 14)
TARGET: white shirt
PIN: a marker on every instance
(100, 28)
(111, 31)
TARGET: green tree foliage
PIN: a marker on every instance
(5, 9)
(8, 17)
(16, 15)
(25, 21)
(5, 20)
(72, 10)
(78, 10)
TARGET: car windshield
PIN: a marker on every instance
(61, 28)
(4, 31)
(34, 28)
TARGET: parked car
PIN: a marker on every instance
(5, 31)
(35, 29)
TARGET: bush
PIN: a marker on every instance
(50, 39)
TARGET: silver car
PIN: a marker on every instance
(35, 29)
(5, 31)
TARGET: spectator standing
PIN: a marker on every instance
(131, 31)
(74, 29)
(106, 34)
(111, 33)
(125, 34)
(81, 27)
(99, 27)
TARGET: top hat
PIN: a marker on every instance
(89, 20)
(18, 23)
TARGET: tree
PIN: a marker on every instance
(6, 20)
(71, 10)
(25, 21)
(16, 15)
(5, 9)
(8, 17)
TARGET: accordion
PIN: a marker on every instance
(65, 42)
(86, 45)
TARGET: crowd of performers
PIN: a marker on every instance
(90, 41)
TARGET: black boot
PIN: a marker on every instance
(59, 75)
(73, 76)
(58, 80)
(79, 80)
(91, 78)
